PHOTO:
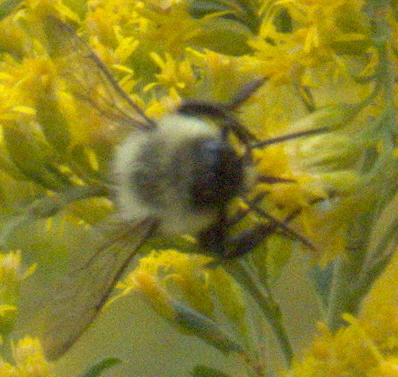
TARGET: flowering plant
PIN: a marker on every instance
(328, 65)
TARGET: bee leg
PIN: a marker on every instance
(215, 240)
(248, 240)
(283, 225)
(212, 240)
(269, 179)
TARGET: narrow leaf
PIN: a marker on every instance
(101, 366)
(204, 371)
(204, 328)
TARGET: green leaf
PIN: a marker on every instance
(33, 157)
(200, 9)
(224, 36)
(7, 7)
(204, 371)
(194, 323)
(53, 122)
(283, 21)
(101, 366)
(49, 206)
(322, 279)
(241, 11)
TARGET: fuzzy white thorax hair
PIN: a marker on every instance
(175, 130)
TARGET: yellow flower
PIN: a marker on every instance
(323, 32)
(178, 74)
(379, 313)
(165, 274)
(11, 276)
(183, 289)
(29, 361)
(163, 32)
(350, 352)
(387, 368)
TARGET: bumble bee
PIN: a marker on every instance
(173, 176)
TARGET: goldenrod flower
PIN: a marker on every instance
(29, 361)
(11, 276)
(379, 315)
(349, 352)
(166, 274)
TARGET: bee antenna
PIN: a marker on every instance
(279, 139)
(245, 93)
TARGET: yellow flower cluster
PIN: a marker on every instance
(11, 277)
(367, 346)
(379, 313)
(351, 352)
(182, 289)
(29, 361)
(140, 43)
(163, 276)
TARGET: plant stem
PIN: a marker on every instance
(356, 271)
(263, 297)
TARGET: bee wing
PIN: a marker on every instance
(79, 298)
(89, 79)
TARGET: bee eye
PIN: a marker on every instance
(217, 175)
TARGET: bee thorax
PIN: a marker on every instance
(182, 178)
